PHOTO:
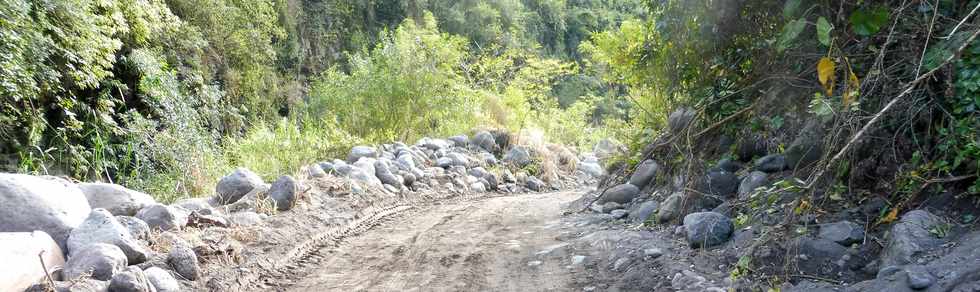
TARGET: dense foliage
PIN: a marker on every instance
(166, 96)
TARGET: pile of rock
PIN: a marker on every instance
(456, 164)
(98, 236)
(89, 235)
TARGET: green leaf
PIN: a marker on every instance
(790, 32)
(867, 23)
(791, 8)
(823, 31)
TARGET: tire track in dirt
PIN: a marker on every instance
(481, 245)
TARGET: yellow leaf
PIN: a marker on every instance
(825, 73)
(890, 217)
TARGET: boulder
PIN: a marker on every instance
(19, 251)
(644, 174)
(315, 171)
(507, 176)
(183, 259)
(910, 237)
(844, 233)
(518, 156)
(327, 167)
(163, 217)
(751, 182)
(955, 270)
(728, 165)
(680, 119)
(706, 229)
(807, 148)
(236, 185)
(485, 140)
(102, 260)
(671, 208)
(750, 146)
(162, 280)
(284, 191)
(458, 159)
(622, 194)
(137, 228)
(117, 199)
(608, 207)
(460, 140)
(822, 257)
(722, 183)
(641, 213)
(487, 158)
(771, 163)
(478, 187)
(478, 172)
(491, 180)
(434, 144)
(132, 279)
(535, 184)
(49, 204)
(80, 285)
(358, 152)
(101, 227)
(618, 213)
(200, 205)
(444, 162)
(384, 174)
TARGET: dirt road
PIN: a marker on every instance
(484, 245)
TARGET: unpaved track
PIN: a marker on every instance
(484, 245)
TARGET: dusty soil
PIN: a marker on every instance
(482, 245)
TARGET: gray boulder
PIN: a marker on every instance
(643, 212)
(101, 227)
(183, 259)
(807, 148)
(722, 183)
(844, 233)
(444, 162)
(955, 270)
(680, 119)
(316, 171)
(621, 194)
(458, 159)
(478, 172)
(728, 165)
(619, 213)
(460, 140)
(491, 180)
(162, 280)
(751, 182)
(53, 205)
(822, 257)
(535, 184)
(137, 228)
(771, 163)
(236, 185)
(644, 174)
(358, 152)
(102, 260)
(507, 176)
(910, 237)
(132, 279)
(327, 167)
(434, 144)
(245, 219)
(284, 191)
(117, 199)
(485, 140)
(518, 156)
(706, 229)
(200, 205)
(671, 208)
(384, 174)
(163, 217)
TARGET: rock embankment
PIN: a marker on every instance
(758, 223)
(101, 236)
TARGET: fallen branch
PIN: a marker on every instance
(877, 117)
